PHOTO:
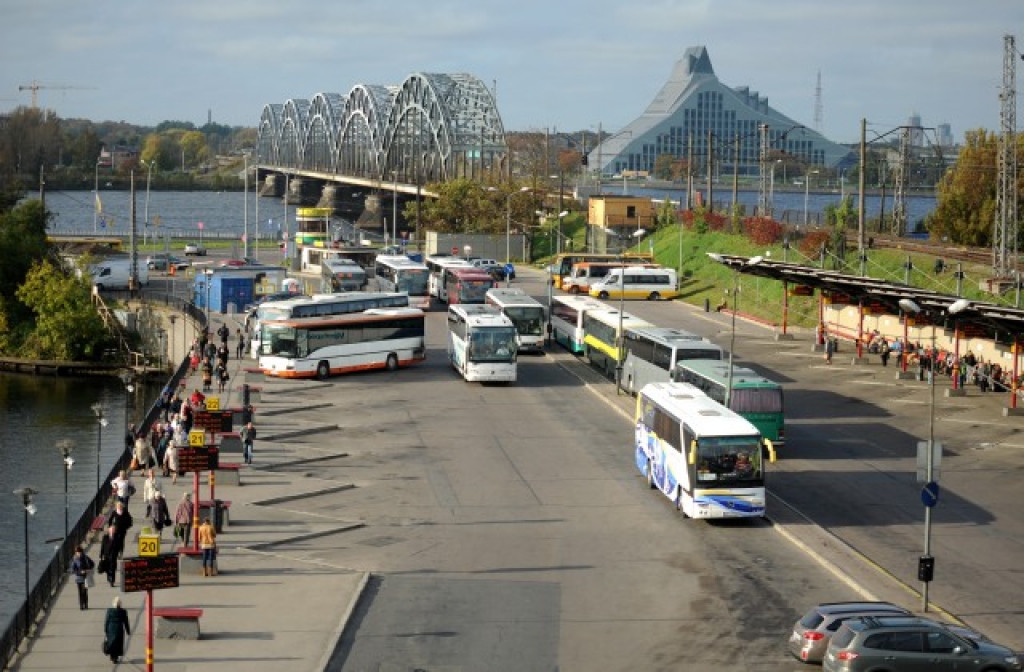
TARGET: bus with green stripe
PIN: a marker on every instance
(756, 398)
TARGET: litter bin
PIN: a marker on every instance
(707, 305)
(218, 515)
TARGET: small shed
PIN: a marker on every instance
(234, 288)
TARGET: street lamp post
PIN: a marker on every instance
(209, 278)
(807, 193)
(927, 560)
(101, 422)
(394, 208)
(145, 216)
(753, 261)
(245, 212)
(96, 198)
(66, 447)
(26, 495)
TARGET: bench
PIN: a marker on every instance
(177, 623)
(98, 523)
(230, 442)
(228, 474)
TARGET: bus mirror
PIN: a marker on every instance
(693, 452)
(771, 449)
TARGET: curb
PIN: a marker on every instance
(339, 630)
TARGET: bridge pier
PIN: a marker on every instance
(273, 185)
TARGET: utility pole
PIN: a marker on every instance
(1005, 226)
(861, 251)
(763, 210)
(899, 207)
(711, 190)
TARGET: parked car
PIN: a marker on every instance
(912, 643)
(813, 632)
(236, 262)
(164, 262)
(496, 271)
(194, 250)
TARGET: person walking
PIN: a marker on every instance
(115, 627)
(208, 544)
(183, 516)
(884, 347)
(149, 490)
(240, 346)
(171, 461)
(109, 552)
(224, 332)
(159, 514)
(123, 487)
(81, 568)
(830, 347)
(248, 435)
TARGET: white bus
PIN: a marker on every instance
(641, 283)
(708, 460)
(602, 334)
(319, 347)
(437, 266)
(481, 343)
(399, 273)
(339, 274)
(526, 313)
(652, 353)
(319, 305)
(567, 313)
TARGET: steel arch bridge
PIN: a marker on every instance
(431, 128)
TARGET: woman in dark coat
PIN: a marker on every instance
(115, 628)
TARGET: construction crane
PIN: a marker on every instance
(35, 86)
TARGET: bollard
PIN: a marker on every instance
(707, 305)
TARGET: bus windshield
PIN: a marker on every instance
(279, 340)
(492, 344)
(473, 291)
(756, 400)
(413, 280)
(529, 320)
(728, 460)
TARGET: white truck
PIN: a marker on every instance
(115, 273)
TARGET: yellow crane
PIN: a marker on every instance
(35, 86)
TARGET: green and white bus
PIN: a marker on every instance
(758, 399)
(566, 319)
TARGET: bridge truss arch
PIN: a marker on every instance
(431, 128)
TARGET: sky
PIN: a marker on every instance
(565, 65)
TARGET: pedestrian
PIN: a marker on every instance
(142, 455)
(884, 352)
(159, 515)
(81, 568)
(149, 490)
(240, 346)
(115, 627)
(122, 486)
(207, 370)
(171, 461)
(183, 516)
(830, 346)
(222, 376)
(224, 332)
(223, 353)
(109, 552)
(248, 435)
(208, 544)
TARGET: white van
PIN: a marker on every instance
(116, 272)
(641, 282)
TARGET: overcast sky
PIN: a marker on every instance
(560, 64)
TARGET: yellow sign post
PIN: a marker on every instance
(197, 438)
(149, 543)
(213, 403)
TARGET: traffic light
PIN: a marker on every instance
(926, 568)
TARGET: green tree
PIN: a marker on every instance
(462, 205)
(22, 243)
(67, 326)
(193, 144)
(664, 167)
(966, 203)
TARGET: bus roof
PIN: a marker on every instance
(346, 318)
(666, 335)
(511, 296)
(718, 371)
(399, 261)
(469, 273)
(610, 317)
(703, 415)
(581, 302)
(481, 315)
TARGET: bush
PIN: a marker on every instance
(762, 230)
(810, 245)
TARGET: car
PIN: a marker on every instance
(479, 263)
(236, 262)
(162, 261)
(496, 271)
(912, 643)
(194, 250)
(812, 633)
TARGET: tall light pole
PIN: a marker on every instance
(96, 198)
(909, 306)
(558, 235)
(145, 216)
(101, 422)
(209, 278)
(508, 227)
(66, 447)
(394, 208)
(245, 214)
(753, 261)
(807, 192)
(26, 494)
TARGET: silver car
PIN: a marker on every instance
(812, 633)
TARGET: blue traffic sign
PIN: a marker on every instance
(930, 494)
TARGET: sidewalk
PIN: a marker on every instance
(270, 607)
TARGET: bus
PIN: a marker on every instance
(585, 274)
(755, 397)
(319, 347)
(399, 273)
(481, 344)
(708, 460)
(319, 305)
(341, 275)
(466, 285)
(602, 333)
(566, 316)
(641, 282)
(564, 262)
(652, 354)
(526, 313)
(437, 265)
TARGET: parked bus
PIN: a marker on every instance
(526, 313)
(652, 354)
(466, 285)
(399, 273)
(341, 275)
(755, 397)
(437, 265)
(481, 343)
(564, 262)
(319, 305)
(708, 460)
(602, 331)
(319, 347)
(567, 313)
(585, 274)
(641, 282)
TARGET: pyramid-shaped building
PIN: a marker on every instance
(692, 102)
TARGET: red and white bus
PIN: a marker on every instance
(466, 285)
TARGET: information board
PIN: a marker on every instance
(160, 571)
(214, 421)
(198, 458)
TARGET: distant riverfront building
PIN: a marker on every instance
(692, 102)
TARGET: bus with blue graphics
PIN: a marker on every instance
(481, 343)
(709, 461)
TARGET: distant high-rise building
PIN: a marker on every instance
(916, 132)
(945, 134)
(693, 102)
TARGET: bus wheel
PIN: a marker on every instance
(654, 296)
(679, 499)
(603, 295)
(323, 371)
(392, 362)
(574, 290)
(650, 475)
